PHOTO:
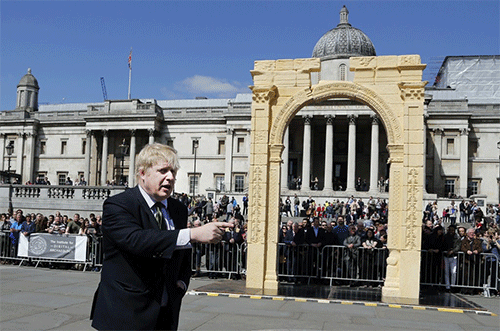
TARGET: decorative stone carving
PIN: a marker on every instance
(263, 95)
(329, 119)
(464, 131)
(412, 91)
(413, 206)
(151, 132)
(307, 119)
(352, 119)
(257, 226)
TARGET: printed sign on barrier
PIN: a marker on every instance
(53, 246)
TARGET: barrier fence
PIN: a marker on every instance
(305, 263)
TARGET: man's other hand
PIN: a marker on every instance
(209, 233)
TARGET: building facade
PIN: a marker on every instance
(333, 148)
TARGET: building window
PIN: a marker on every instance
(342, 71)
(64, 145)
(84, 146)
(170, 142)
(61, 178)
(473, 145)
(473, 187)
(222, 147)
(239, 183)
(193, 184)
(241, 145)
(43, 147)
(219, 183)
(450, 146)
(449, 187)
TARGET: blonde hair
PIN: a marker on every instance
(153, 154)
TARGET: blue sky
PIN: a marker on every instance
(184, 49)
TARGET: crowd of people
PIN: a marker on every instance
(465, 255)
(460, 247)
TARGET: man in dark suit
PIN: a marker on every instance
(147, 251)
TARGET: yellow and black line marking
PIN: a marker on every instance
(344, 302)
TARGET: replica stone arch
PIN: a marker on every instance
(392, 87)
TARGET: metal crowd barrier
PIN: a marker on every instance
(334, 263)
(479, 271)
(304, 263)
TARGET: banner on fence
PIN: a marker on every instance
(53, 246)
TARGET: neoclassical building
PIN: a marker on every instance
(337, 147)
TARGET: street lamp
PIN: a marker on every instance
(123, 149)
(195, 147)
(10, 150)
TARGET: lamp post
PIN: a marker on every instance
(123, 149)
(195, 147)
(10, 150)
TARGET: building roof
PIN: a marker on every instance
(29, 80)
(344, 41)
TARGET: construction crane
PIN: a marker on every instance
(103, 86)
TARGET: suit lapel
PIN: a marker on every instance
(145, 208)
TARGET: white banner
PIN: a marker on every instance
(53, 246)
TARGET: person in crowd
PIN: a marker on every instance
(232, 240)
(472, 248)
(341, 231)
(15, 230)
(208, 209)
(57, 227)
(84, 228)
(245, 204)
(351, 244)
(369, 256)
(74, 225)
(296, 205)
(28, 227)
(452, 243)
(491, 246)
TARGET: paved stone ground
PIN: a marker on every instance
(47, 299)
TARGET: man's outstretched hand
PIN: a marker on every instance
(209, 233)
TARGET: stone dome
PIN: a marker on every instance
(344, 41)
(28, 80)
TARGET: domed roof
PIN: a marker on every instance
(28, 80)
(343, 41)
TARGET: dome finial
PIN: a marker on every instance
(29, 71)
(344, 15)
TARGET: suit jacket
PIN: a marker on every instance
(141, 266)
(311, 237)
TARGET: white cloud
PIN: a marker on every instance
(209, 85)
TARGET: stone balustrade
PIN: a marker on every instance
(47, 199)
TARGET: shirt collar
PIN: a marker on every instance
(149, 200)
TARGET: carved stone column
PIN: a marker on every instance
(104, 162)
(19, 154)
(228, 169)
(30, 157)
(329, 153)
(151, 136)
(88, 150)
(131, 166)
(438, 143)
(306, 153)
(284, 166)
(351, 154)
(2, 150)
(464, 161)
(260, 271)
(374, 156)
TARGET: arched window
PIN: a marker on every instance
(342, 71)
